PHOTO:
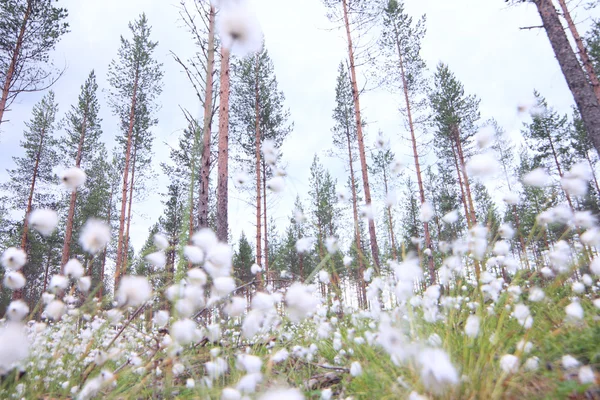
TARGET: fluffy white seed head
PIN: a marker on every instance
(13, 258)
(73, 269)
(239, 29)
(538, 178)
(95, 235)
(161, 241)
(14, 280)
(72, 178)
(133, 291)
(44, 221)
(17, 310)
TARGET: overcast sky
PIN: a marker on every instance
(480, 40)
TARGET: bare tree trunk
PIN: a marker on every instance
(125, 181)
(10, 73)
(361, 143)
(208, 105)
(462, 188)
(390, 221)
(103, 263)
(71, 215)
(223, 158)
(125, 258)
(257, 141)
(413, 138)
(461, 158)
(264, 178)
(583, 93)
(361, 266)
(559, 169)
(583, 53)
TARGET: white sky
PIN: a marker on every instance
(479, 40)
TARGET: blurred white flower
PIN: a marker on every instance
(472, 326)
(205, 238)
(367, 211)
(58, 282)
(586, 375)
(437, 372)
(536, 294)
(44, 221)
(509, 363)
(532, 364)
(95, 235)
(236, 306)
(14, 280)
(280, 394)
(303, 245)
(347, 261)
(240, 178)
(239, 29)
(324, 277)
(55, 309)
(522, 314)
(331, 243)
(157, 259)
(485, 136)
(14, 346)
(511, 198)
(13, 258)
(355, 369)
(569, 362)
(506, 231)
(161, 242)
(84, 283)
(538, 178)
(450, 217)
(133, 291)
(427, 212)
(73, 269)
(72, 178)
(276, 184)
(300, 302)
(17, 310)
(484, 166)
(223, 286)
(574, 311)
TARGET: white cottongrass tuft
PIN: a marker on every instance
(427, 212)
(569, 362)
(437, 372)
(300, 302)
(347, 260)
(17, 310)
(133, 291)
(536, 294)
(276, 184)
(484, 166)
(511, 198)
(355, 369)
(205, 238)
(280, 394)
(183, 331)
(73, 269)
(574, 311)
(58, 282)
(55, 309)
(236, 306)
(240, 178)
(367, 211)
(14, 280)
(95, 235)
(44, 221)
(472, 326)
(223, 286)
(239, 29)
(538, 178)
(332, 245)
(523, 315)
(595, 266)
(157, 259)
(84, 283)
(586, 375)
(255, 269)
(14, 347)
(303, 245)
(450, 217)
(72, 178)
(532, 364)
(485, 136)
(324, 277)
(161, 242)
(194, 254)
(13, 258)
(509, 363)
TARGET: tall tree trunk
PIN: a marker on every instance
(104, 253)
(223, 158)
(390, 221)
(12, 67)
(126, 180)
(413, 138)
(257, 141)
(583, 93)
(124, 257)
(206, 129)
(266, 239)
(463, 169)
(595, 179)
(461, 186)
(583, 53)
(71, 214)
(361, 143)
(559, 169)
(361, 266)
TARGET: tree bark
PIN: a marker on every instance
(559, 169)
(413, 138)
(10, 73)
(461, 158)
(206, 129)
(583, 53)
(71, 214)
(124, 258)
(361, 143)
(390, 221)
(460, 184)
(223, 158)
(266, 239)
(257, 141)
(125, 180)
(583, 93)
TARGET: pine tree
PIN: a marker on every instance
(258, 114)
(410, 218)
(359, 15)
(29, 30)
(136, 81)
(381, 170)
(170, 224)
(81, 141)
(243, 259)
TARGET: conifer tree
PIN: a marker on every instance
(381, 170)
(258, 114)
(30, 30)
(135, 78)
(243, 259)
(81, 142)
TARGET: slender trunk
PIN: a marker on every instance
(36, 167)
(208, 108)
(460, 184)
(223, 158)
(587, 157)
(264, 177)
(71, 215)
(125, 258)
(583, 53)
(120, 248)
(361, 143)
(583, 92)
(47, 270)
(12, 67)
(461, 158)
(560, 173)
(413, 138)
(390, 221)
(361, 266)
(257, 141)
(103, 263)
